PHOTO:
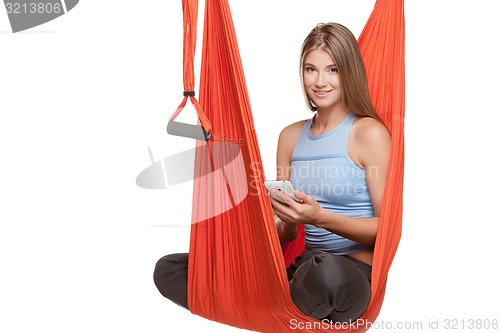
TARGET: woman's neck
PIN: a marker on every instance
(327, 119)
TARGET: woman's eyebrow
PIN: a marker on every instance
(308, 64)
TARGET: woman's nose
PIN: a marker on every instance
(320, 80)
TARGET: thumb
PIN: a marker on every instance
(302, 196)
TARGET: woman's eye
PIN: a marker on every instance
(309, 69)
(334, 69)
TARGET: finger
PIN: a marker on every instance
(283, 217)
(277, 204)
(302, 196)
(279, 195)
(278, 207)
(282, 211)
(285, 197)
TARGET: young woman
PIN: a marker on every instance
(337, 162)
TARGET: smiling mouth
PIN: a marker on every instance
(322, 92)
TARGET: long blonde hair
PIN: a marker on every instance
(341, 44)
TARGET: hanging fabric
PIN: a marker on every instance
(236, 272)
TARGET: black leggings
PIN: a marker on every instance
(322, 285)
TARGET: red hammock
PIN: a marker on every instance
(236, 265)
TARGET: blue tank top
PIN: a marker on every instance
(321, 167)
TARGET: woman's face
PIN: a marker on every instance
(322, 80)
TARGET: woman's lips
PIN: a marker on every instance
(321, 93)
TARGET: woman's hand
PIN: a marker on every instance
(306, 212)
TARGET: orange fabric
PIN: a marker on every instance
(190, 10)
(236, 269)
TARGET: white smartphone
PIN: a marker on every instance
(281, 185)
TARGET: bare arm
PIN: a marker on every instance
(374, 144)
(287, 232)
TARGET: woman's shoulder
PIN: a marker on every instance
(289, 136)
(293, 129)
(371, 141)
(369, 131)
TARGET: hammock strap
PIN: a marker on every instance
(203, 132)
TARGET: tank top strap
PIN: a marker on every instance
(307, 126)
(346, 130)
(303, 135)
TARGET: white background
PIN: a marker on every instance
(83, 96)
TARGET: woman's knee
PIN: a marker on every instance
(328, 284)
(170, 277)
(335, 273)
